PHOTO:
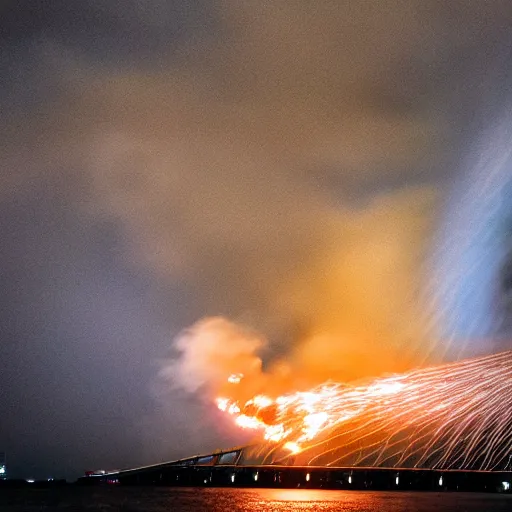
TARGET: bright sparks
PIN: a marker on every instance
(235, 378)
(450, 416)
(292, 447)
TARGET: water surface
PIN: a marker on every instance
(139, 499)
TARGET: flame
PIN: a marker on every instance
(245, 421)
(235, 378)
(223, 404)
(432, 409)
(302, 415)
(292, 447)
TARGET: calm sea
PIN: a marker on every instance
(137, 499)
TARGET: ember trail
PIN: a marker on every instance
(441, 428)
(454, 416)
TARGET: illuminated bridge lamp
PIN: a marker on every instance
(308, 477)
(506, 486)
(256, 476)
(232, 478)
(440, 480)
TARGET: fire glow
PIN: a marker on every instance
(454, 416)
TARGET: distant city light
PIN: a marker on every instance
(30, 480)
(506, 486)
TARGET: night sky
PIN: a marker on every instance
(334, 175)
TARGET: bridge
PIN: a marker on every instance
(230, 469)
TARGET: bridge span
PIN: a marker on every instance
(230, 469)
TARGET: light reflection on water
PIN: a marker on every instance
(291, 500)
(302, 494)
(161, 499)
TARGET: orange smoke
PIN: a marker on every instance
(354, 310)
(215, 354)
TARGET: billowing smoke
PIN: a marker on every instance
(357, 308)
(212, 351)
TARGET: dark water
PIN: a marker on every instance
(137, 499)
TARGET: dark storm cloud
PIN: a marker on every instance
(276, 163)
(108, 31)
